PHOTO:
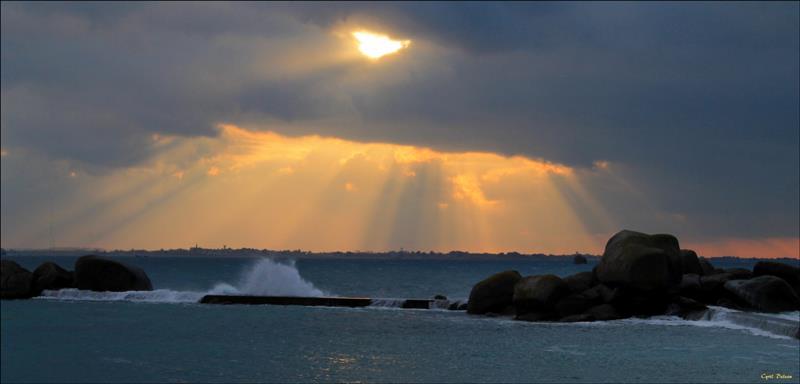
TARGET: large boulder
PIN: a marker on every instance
(604, 312)
(690, 263)
(580, 282)
(641, 261)
(538, 293)
(706, 266)
(51, 276)
(494, 294)
(684, 307)
(765, 293)
(15, 281)
(789, 273)
(738, 273)
(101, 274)
(575, 303)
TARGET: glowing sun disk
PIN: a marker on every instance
(375, 46)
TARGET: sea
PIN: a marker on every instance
(166, 336)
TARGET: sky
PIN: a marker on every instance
(494, 127)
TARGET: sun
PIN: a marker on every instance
(376, 46)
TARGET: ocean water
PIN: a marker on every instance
(165, 336)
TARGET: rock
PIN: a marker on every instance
(738, 273)
(641, 261)
(440, 297)
(765, 293)
(706, 266)
(684, 306)
(538, 293)
(574, 304)
(101, 274)
(604, 312)
(580, 282)
(537, 316)
(713, 282)
(15, 281)
(51, 276)
(493, 294)
(602, 293)
(691, 287)
(579, 259)
(690, 263)
(641, 304)
(789, 273)
(583, 317)
(712, 290)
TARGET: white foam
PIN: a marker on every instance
(270, 278)
(387, 303)
(156, 296)
(264, 278)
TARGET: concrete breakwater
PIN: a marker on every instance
(352, 302)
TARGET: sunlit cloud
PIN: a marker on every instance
(375, 45)
(325, 193)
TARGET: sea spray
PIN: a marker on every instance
(269, 278)
(265, 277)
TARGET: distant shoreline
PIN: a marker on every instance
(299, 254)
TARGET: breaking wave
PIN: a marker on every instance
(264, 278)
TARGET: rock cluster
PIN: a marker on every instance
(639, 275)
(91, 272)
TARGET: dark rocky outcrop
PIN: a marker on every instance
(738, 273)
(690, 263)
(538, 293)
(15, 281)
(583, 317)
(789, 273)
(51, 276)
(493, 294)
(641, 261)
(576, 303)
(580, 282)
(641, 275)
(604, 312)
(765, 293)
(684, 307)
(101, 274)
(706, 266)
(579, 259)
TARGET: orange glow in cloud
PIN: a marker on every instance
(264, 190)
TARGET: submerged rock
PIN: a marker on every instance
(641, 261)
(52, 277)
(100, 274)
(494, 294)
(15, 281)
(765, 293)
(538, 293)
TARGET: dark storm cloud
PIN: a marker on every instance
(698, 101)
